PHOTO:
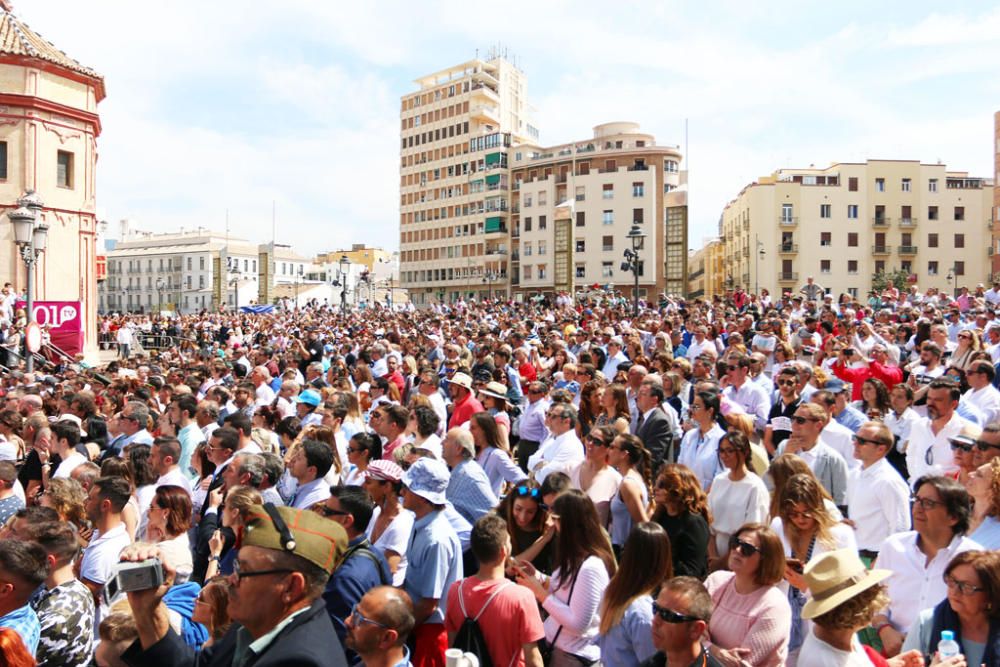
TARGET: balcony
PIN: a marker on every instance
(880, 221)
(788, 248)
(907, 222)
(788, 276)
(786, 221)
(880, 250)
(907, 250)
(484, 112)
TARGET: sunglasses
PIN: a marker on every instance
(596, 441)
(985, 446)
(802, 420)
(960, 446)
(326, 511)
(868, 441)
(671, 616)
(745, 548)
(787, 383)
(527, 492)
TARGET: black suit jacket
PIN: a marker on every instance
(658, 438)
(308, 641)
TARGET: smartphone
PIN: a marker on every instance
(795, 564)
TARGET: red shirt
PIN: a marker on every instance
(464, 410)
(527, 372)
(511, 619)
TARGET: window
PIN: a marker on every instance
(852, 211)
(581, 245)
(609, 243)
(825, 239)
(932, 240)
(543, 198)
(824, 266)
(824, 210)
(638, 190)
(959, 213)
(581, 270)
(609, 217)
(852, 240)
(541, 251)
(201, 282)
(188, 263)
(959, 268)
(526, 272)
(527, 249)
(581, 194)
(3, 160)
(542, 222)
(852, 184)
(609, 191)
(852, 266)
(932, 185)
(670, 166)
(527, 201)
(906, 266)
(932, 268)
(581, 219)
(905, 185)
(880, 185)
(786, 212)
(606, 270)
(637, 215)
(64, 169)
(879, 266)
(959, 240)
(541, 271)
(932, 212)
(527, 224)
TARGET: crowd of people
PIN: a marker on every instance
(808, 480)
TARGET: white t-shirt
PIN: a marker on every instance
(394, 538)
(735, 503)
(69, 464)
(817, 653)
(101, 555)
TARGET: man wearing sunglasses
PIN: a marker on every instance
(988, 445)
(982, 394)
(680, 619)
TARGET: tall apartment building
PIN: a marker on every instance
(995, 241)
(706, 268)
(574, 204)
(847, 222)
(456, 133)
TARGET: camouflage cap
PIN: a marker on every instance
(302, 532)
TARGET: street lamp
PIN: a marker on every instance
(159, 292)
(344, 264)
(489, 277)
(31, 240)
(631, 263)
(950, 278)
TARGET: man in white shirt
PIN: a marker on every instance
(992, 295)
(430, 388)
(748, 395)
(562, 449)
(308, 466)
(164, 457)
(928, 451)
(261, 378)
(700, 344)
(878, 499)
(836, 435)
(982, 393)
(65, 438)
(918, 558)
(615, 357)
(828, 466)
(105, 502)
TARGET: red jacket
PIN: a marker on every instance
(890, 375)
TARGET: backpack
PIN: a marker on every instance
(469, 637)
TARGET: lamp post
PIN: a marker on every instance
(951, 280)
(31, 239)
(344, 264)
(756, 268)
(159, 295)
(488, 278)
(631, 263)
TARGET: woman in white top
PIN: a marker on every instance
(390, 526)
(167, 528)
(737, 497)
(900, 420)
(594, 476)
(584, 565)
(700, 445)
(807, 530)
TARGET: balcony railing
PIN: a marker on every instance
(786, 276)
(907, 222)
(880, 221)
(786, 221)
(787, 248)
(880, 250)
(907, 250)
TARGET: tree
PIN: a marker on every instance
(899, 278)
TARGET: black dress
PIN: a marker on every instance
(689, 537)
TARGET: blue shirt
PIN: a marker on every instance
(434, 562)
(701, 453)
(852, 418)
(470, 491)
(24, 621)
(354, 577)
(190, 437)
(532, 424)
(630, 641)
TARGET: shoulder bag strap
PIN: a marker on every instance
(568, 600)
(490, 598)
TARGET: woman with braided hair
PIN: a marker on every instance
(629, 506)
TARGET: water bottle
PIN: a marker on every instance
(948, 647)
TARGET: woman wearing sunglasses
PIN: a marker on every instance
(594, 476)
(584, 565)
(736, 497)
(211, 609)
(807, 530)
(626, 637)
(682, 510)
(751, 620)
(528, 524)
(970, 610)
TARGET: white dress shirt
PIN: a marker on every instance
(307, 495)
(915, 584)
(841, 440)
(900, 426)
(557, 454)
(930, 454)
(174, 477)
(753, 399)
(878, 501)
(700, 453)
(987, 400)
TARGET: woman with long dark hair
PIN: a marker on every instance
(492, 453)
(584, 565)
(699, 449)
(594, 476)
(737, 496)
(682, 510)
(530, 530)
(874, 402)
(628, 506)
(626, 636)
(614, 408)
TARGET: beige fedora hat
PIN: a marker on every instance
(836, 577)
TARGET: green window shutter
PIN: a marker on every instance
(493, 158)
(494, 224)
(493, 179)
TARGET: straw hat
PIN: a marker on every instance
(495, 390)
(836, 577)
(462, 380)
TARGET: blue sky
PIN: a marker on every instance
(232, 105)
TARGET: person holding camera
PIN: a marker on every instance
(279, 617)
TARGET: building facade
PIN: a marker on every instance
(995, 241)
(573, 205)
(847, 222)
(706, 268)
(48, 143)
(455, 136)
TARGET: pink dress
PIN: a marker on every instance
(760, 621)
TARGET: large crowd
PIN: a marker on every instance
(810, 480)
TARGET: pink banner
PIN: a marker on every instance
(63, 321)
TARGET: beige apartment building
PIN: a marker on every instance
(574, 204)
(995, 240)
(847, 222)
(456, 131)
(707, 268)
